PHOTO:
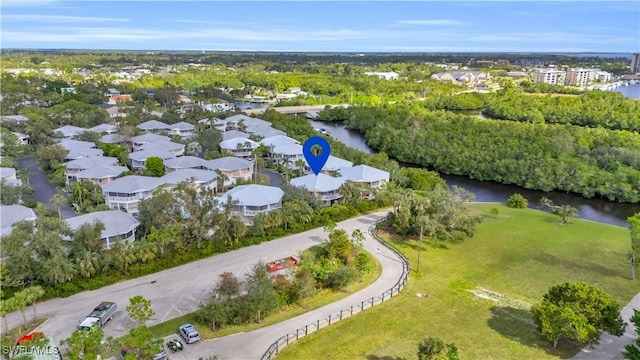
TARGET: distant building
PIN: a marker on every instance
(391, 75)
(550, 76)
(635, 63)
(580, 77)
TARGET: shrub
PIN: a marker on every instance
(517, 201)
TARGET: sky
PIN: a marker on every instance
(323, 26)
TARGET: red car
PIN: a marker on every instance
(282, 263)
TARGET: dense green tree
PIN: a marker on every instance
(154, 166)
(84, 345)
(577, 311)
(341, 277)
(432, 348)
(517, 201)
(260, 292)
(339, 246)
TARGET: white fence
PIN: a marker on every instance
(354, 309)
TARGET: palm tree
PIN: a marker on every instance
(79, 192)
(25, 175)
(87, 263)
(58, 201)
(33, 294)
(300, 163)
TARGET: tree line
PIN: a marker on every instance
(587, 161)
(607, 109)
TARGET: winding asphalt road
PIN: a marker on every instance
(178, 291)
(43, 188)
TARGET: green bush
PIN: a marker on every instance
(517, 201)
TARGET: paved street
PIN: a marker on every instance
(44, 190)
(178, 291)
(610, 347)
(275, 179)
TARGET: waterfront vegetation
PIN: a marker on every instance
(482, 288)
(592, 162)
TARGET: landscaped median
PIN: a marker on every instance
(476, 294)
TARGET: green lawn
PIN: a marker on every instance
(518, 254)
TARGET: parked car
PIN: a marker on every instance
(189, 333)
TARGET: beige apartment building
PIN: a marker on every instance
(580, 77)
(549, 76)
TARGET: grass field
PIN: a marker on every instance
(510, 263)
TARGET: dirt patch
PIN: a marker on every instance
(506, 304)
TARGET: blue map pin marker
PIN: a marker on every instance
(316, 160)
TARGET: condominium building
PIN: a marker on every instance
(549, 76)
(635, 63)
(580, 77)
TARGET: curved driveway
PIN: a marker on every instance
(178, 291)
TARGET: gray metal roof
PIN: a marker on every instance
(335, 163)
(228, 163)
(11, 214)
(149, 138)
(143, 155)
(288, 149)
(182, 125)
(265, 131)
(163, 145)
(132, 184)
(82, 153)
(73, 145)
(363, 173)
(232, 134)
(255, 195)
(278, 140)
(319, 183)
(17, 118)
(153, 125)
(115, 222)
(101, 172)
(104, 128)
(7, 171)
(232, 144)
(190, 175)
(184, 162)
(112, 139)
(69, 130)
(89, 162)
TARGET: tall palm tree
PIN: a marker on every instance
(58, 201)
(300, 163)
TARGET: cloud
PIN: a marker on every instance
(26, 3)
(553, 37)
(433, 22)
(59, 18)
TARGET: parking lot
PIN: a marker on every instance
(193, 351)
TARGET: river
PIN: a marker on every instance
(485, 191)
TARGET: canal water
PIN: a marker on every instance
(590, 209)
